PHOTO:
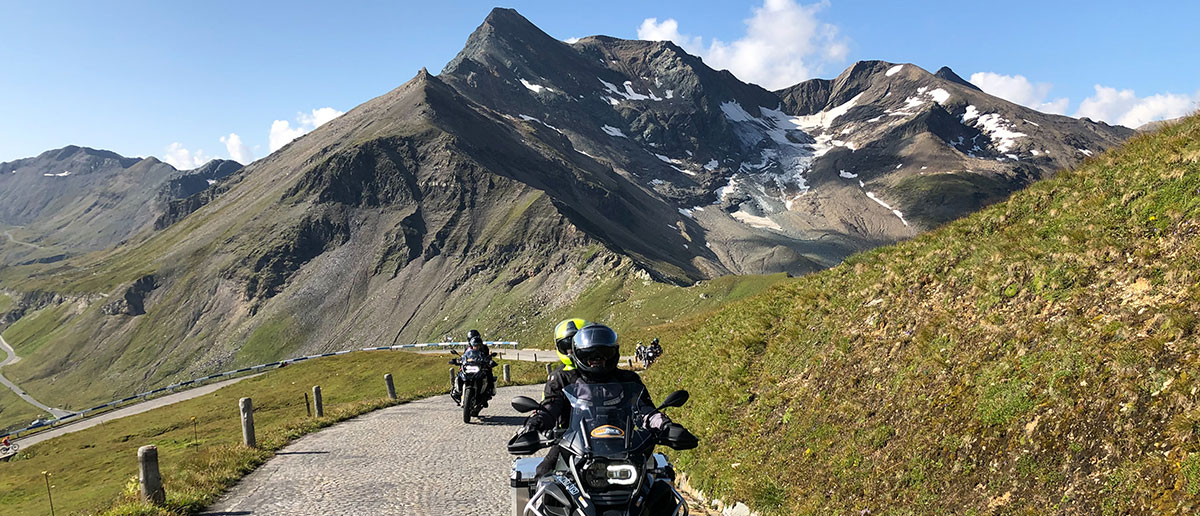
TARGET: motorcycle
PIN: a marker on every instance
(606, 462)
(473, 383)
(648, 354)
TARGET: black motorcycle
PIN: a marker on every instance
(473, 383)
(648, 354)
(606, 461)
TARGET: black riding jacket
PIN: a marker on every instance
(556, 410)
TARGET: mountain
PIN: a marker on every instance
(532, 178)
(82, 199)
(1037, 357)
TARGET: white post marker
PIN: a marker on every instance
(247, 410)
(149, 478)
(391, 387)
(317, 405)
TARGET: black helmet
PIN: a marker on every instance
(474, 341)
(594, 350)
(473, 334)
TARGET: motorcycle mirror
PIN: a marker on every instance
(525, 404)
(675, 399)
(453, 351)
(494, 354)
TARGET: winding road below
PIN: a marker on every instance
(15, 241)
(412, 459)
(12, 359)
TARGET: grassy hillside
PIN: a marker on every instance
(1038, 357)
(636, 307)
(95, 470)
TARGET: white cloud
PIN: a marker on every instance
(1125, 108)
(238, 151)
(1019, 90)
(184, 159)
(668, 30)
(784, 44)
(571, 41)
(282, 131)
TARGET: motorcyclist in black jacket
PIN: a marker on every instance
(594, 353)
(476, 351)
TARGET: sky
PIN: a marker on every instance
(191, 81)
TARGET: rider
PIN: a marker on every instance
(477, 352)
(594, 354)
(655, 348)
(6, 443)
(563, 334)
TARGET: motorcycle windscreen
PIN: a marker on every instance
(605, 419)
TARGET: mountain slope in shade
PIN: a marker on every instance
(530, 177)
(82, 199)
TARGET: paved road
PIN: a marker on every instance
(142, 406)
(12, 359)
(414, 459)
(127, 410)
(15, 241)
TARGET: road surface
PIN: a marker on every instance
(127, 410)
(12, 359)
(15, 241)
(413, 459)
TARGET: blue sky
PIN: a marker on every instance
(188, 81)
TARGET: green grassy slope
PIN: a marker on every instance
(93, 470)
(1038, 357)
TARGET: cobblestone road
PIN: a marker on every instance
(412, 459)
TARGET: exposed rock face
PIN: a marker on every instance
(133, 300)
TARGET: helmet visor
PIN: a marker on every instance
(596, 356)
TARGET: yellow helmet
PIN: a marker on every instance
(562, 340)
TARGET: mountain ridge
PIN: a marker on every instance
(528, 177)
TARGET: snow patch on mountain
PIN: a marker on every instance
(536, 88)
(755, 221)
(885, 205)
(999, 129)
(892, 71)
(613, 131)
(60, 174)
(825, 118)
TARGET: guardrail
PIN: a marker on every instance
(196, 382)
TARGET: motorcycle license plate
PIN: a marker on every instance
(471, 369)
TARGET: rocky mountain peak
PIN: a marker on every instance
(945, 73)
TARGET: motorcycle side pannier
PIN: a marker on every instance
(522, 481)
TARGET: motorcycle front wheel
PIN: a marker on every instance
(468, 403)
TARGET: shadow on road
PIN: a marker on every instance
(501, 420)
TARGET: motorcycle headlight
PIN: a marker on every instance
(600, 474)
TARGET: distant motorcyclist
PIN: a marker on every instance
(655, 348)
(594, 356)
(477, 352)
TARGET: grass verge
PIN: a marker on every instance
(1038, 357)
(94, 471)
